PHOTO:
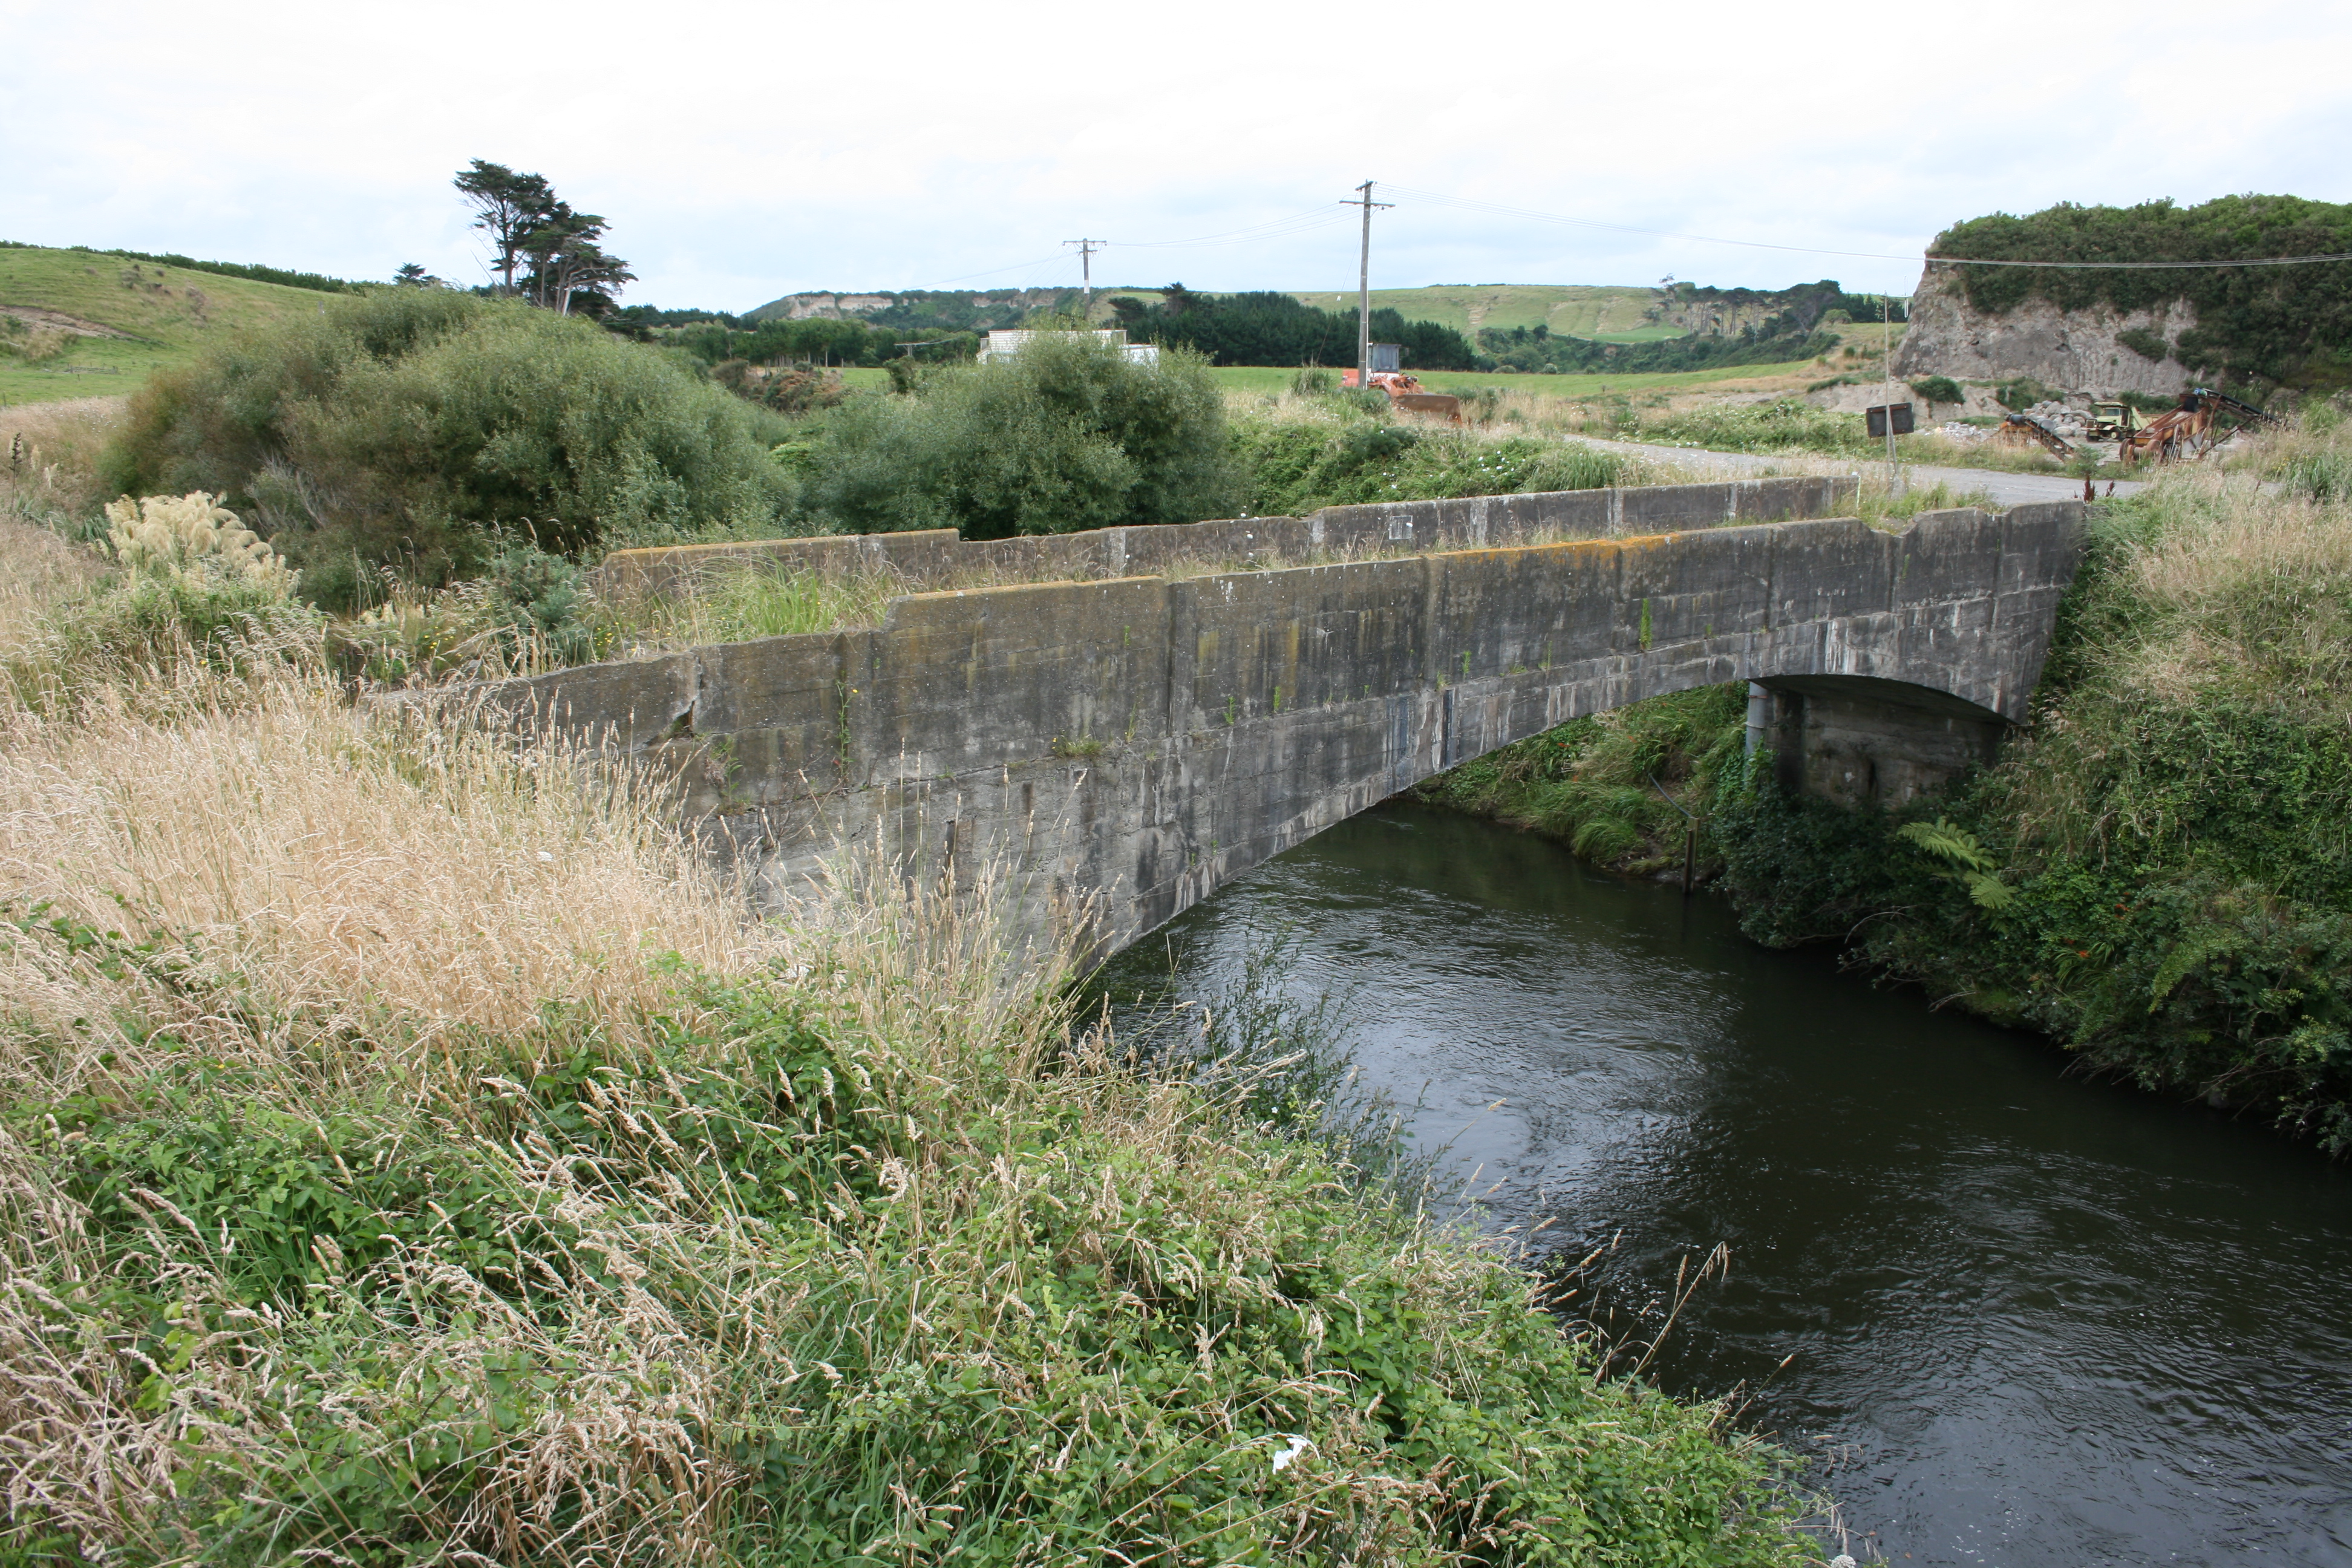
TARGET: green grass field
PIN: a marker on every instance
(168, 313)
(1270, 380)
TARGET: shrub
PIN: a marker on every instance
(188, 537)
(528, 611)
(400, 432)
(1588, 782)
(1068, 435)
(35, 345)
(1938, 389)
(2023, 392)
(195, 593)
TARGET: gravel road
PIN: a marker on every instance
(2007, 488)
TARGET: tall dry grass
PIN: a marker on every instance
(49, 453)
(2229, 582)
(680, 1239)
(378, 881)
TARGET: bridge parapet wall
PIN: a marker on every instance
(938, 558)
(1118, 748)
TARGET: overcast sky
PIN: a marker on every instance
(746, 150)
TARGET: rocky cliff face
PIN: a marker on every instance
(2076, 350)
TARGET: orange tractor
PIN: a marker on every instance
(2187, 431)
(1404, 393)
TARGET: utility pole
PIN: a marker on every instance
(1886, 353)
(1364, 287)
(1087, 249)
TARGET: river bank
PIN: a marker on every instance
(2006, 1314)
(2155, 872)
(410, 1150)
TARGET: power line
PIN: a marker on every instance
(2143, 265)
(1441, 199)
(1273, 228)
(1000, 271)
(1322, 217)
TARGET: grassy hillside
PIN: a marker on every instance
(163, 314)
(1610, 313)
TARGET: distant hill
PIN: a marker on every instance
(955, 309)
(82, 323)
(1573, 311)
(1605, 312)
(1610, 313)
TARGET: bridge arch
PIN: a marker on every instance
(1125, 746)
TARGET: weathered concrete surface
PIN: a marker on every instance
(1118, 749)
(939, 559)
(1860, 740)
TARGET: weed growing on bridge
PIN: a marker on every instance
(740, 602)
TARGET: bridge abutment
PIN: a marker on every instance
(1859, 740)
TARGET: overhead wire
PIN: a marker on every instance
(1273, 228)
(1442, 199)
(1315, 218)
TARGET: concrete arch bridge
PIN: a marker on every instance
(1179, 704)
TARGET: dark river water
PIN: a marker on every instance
(2027, 1319)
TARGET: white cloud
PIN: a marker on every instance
(743, 150)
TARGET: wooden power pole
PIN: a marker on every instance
(1087, 249)
(1364, 288)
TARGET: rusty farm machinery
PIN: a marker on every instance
(1405, 394)
(2189, 430)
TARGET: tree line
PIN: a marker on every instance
(1775, 341)
(1271, 329)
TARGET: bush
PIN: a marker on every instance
(194, 591)
(1068, 435)
(1271, 329)
(2024, 392)
(35, 345)
(1938, 389)
(401, 433)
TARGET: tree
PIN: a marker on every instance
(566, 262)
(528, 222)
(508, 207)
(412, 276)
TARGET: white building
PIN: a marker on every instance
(1005, 344)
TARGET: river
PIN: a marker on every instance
(2027, 1319)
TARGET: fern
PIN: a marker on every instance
(1968, 862)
